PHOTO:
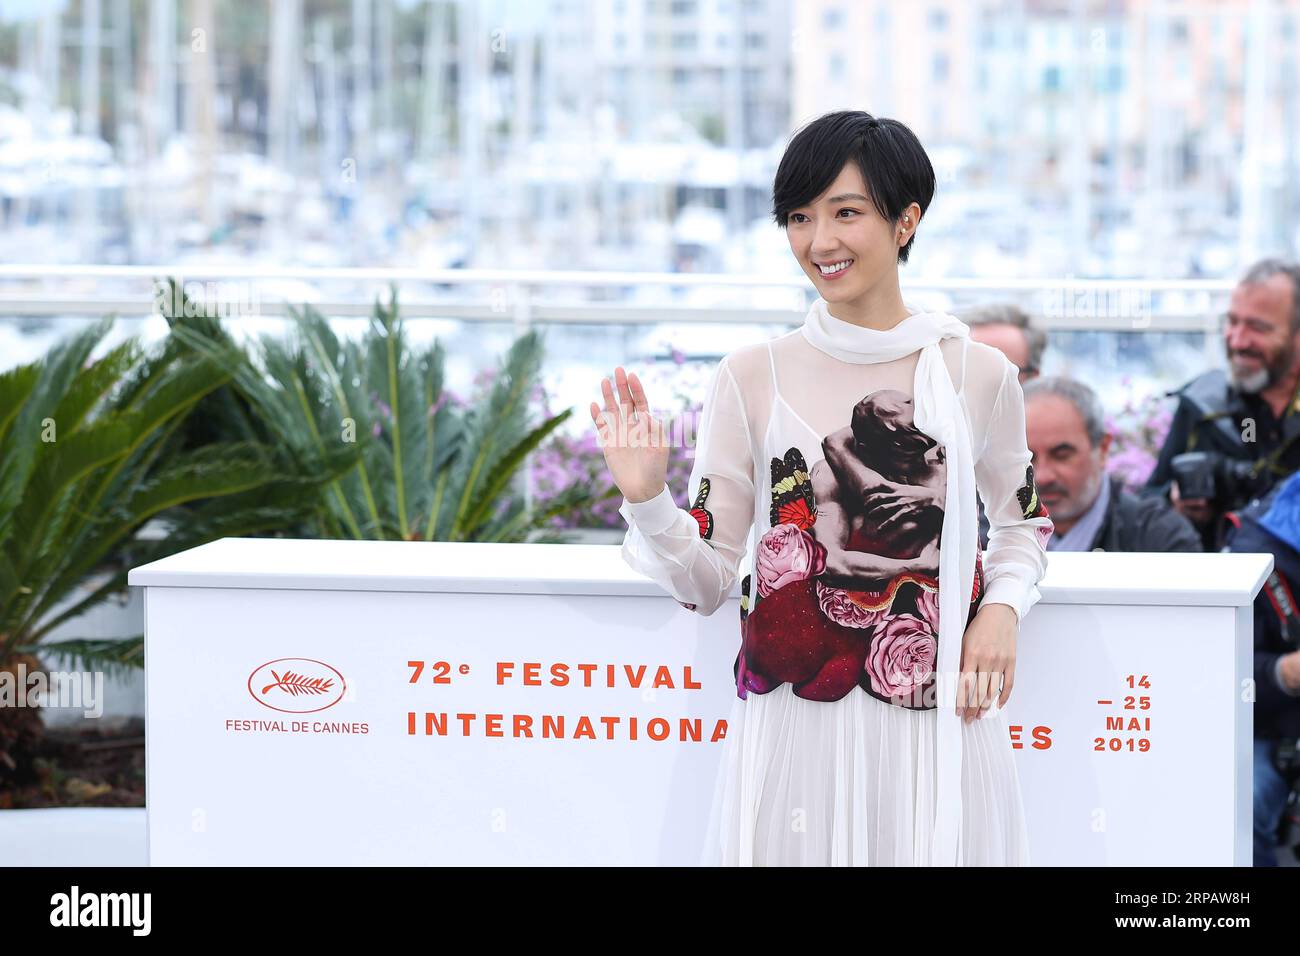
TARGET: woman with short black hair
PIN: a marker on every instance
(868, 727)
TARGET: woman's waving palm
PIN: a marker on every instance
(634, 442)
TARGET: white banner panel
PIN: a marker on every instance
(326, 702)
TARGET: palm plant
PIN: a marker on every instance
(228, 414)
(87, 457)
(428, 468)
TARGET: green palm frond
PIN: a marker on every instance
(425, 468)
(15, 385)
(505, 469)
(115, 657)
(88, 455)
(33, 412)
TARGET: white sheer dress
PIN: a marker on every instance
(814, 487)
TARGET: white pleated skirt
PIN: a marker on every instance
(852, 783)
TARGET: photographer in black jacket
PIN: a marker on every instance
(1234, 436)
(1272, 524)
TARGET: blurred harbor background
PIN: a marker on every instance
(602, 168)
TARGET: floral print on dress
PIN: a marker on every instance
(846, 577)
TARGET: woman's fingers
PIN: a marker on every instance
(978, 690)
(624, 390)
(604, 428)
(617, 414)
(609, 422)
(965, 694)
(625, 401)
(638, 393)
(611, 404)
(988, 691)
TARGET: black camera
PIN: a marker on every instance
(1229, 482)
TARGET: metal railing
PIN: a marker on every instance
(524, 297)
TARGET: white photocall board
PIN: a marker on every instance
(348, 702)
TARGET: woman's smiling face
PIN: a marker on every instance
(843, 226)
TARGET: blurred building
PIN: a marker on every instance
(1079, 137)
(1144, 138)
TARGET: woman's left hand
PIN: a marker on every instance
(988, 659)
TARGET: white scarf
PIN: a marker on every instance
(940, 413)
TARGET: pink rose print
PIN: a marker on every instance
(787, 554)
(837, 605)
(901, 657)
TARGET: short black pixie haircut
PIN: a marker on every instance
(893, 163)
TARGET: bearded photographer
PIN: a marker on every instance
(1235, 435)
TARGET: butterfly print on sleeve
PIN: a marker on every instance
(699, 513)
(1031, 506)
(704, 518)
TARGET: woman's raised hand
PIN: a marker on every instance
(634, 442)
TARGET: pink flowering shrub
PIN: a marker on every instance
(1139, 428)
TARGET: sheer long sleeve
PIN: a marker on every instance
(1019, 524)
(695, 554)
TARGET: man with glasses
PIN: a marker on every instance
(1009, 330)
